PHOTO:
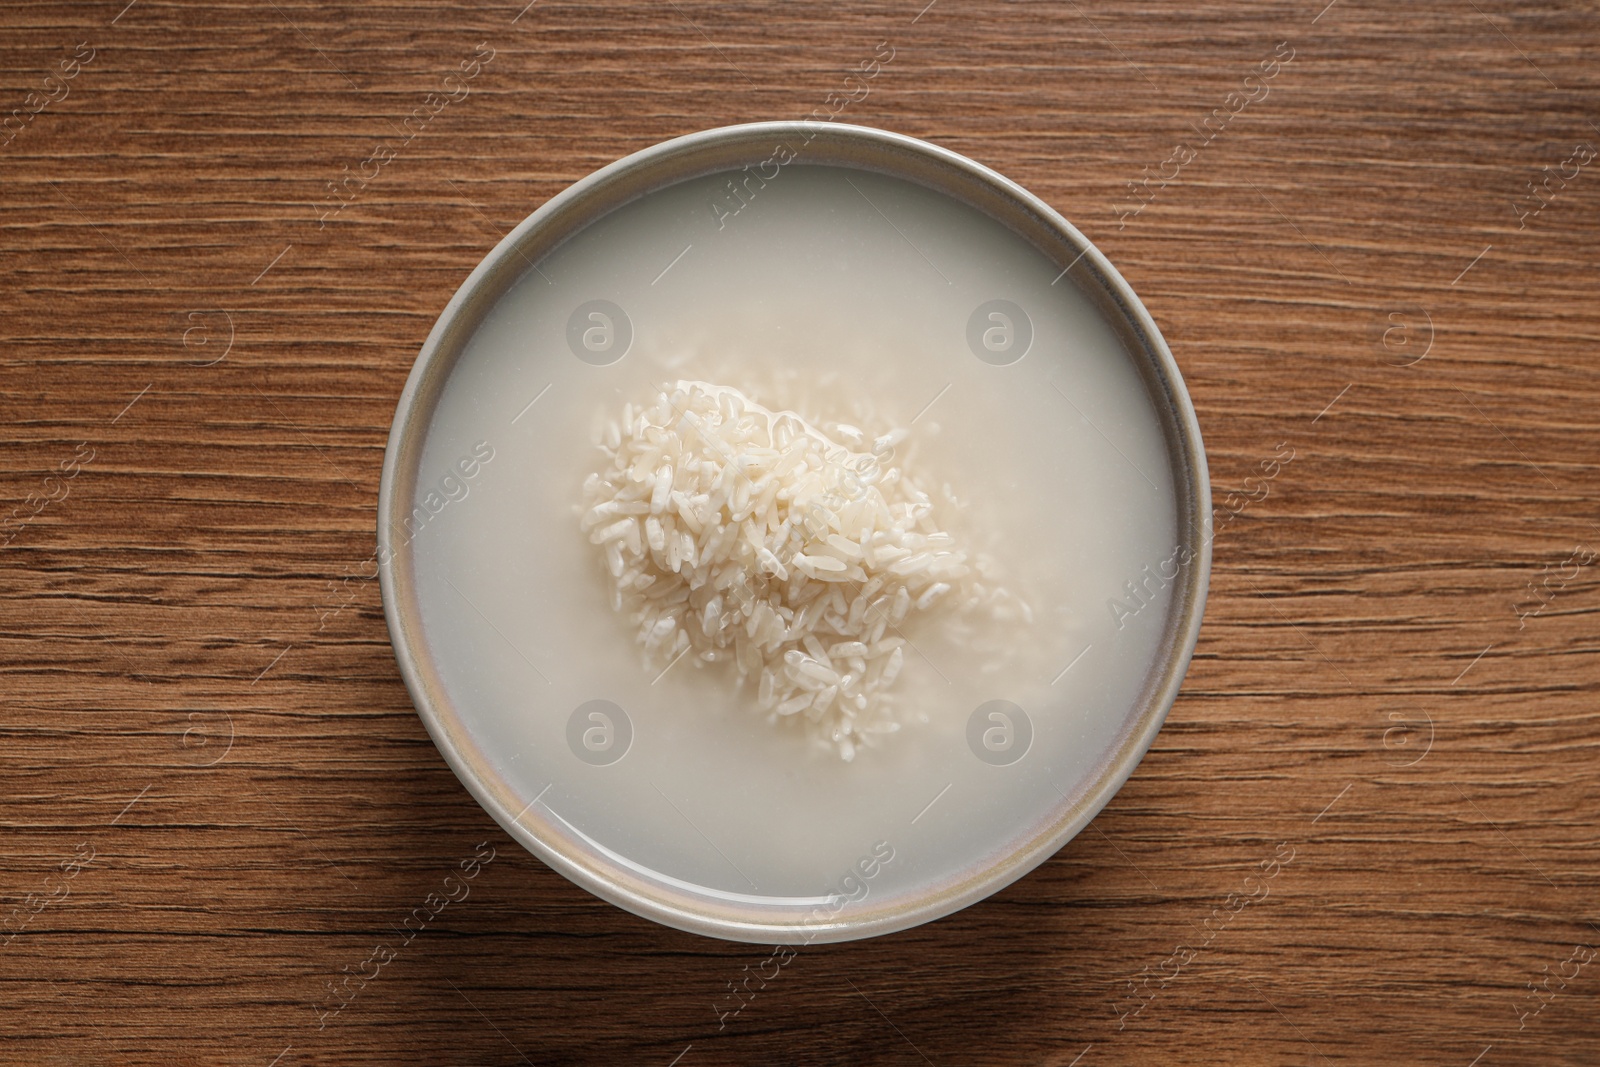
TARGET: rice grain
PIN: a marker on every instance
(755, 536)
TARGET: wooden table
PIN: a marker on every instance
(217, 796)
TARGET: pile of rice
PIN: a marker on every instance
(735, 533)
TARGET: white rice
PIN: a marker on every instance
(752, 536)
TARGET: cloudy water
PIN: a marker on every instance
(845, 296)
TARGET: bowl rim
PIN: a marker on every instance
(729, 148)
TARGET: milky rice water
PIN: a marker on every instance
(837, 303)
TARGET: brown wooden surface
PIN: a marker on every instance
(183, 592)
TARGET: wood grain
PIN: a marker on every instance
(195, 694)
